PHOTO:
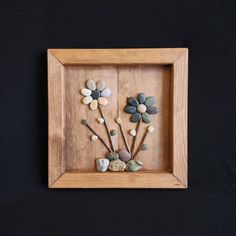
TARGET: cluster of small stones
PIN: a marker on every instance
(118, 161)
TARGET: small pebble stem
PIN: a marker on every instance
(91, 129)
(141, 143)
(134, 139)
(107, 130)
(123, 136)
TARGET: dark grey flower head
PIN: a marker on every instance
(141, 108)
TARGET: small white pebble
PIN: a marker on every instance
(86, 92)
(132, 132)
(151, 129)
(100, 120)
(94, 138)
(118, 120)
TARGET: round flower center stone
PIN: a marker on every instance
(142, 108)
(95, 94)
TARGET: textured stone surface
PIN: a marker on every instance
(93, 105)
(100, 120)
(152, 110)
(87, 100)
(133, 165)
(141, 108)
(102, 164)
(95, 94)
(106, 92)
(91, 84)
(146, 118)
(130, 109)
(94, 138)
(103, 101)
(86, 92)
(101, 85)
(133, 101)
(124, 155)
(132, 132)
(117, 165)
(150, 101)
(141, 98)
(111, 156)
(135, 117)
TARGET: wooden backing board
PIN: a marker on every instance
(71, 153)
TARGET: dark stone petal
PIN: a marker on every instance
(95, 94)
(146, 118)
(130, 109)
(141, 98)
(133, 101)
(150, 101)
(152, 110)
(135, 117)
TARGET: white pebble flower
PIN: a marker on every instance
(95, 94)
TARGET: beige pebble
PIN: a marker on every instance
(102, 101)
(86, 92)
(100, 120)
(118, 120)
(132, 132)
(87, 100)
(151, 129)
(94, 138)
(93, 105)
(142, 108)
(117, 165)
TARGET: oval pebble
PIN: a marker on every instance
(94, 138)
(133, 165)
(87, 100)
(118, 120)
(95, 94)
(106, 92)
(141, 98)
(124, 155)
(91, 84)
(102, 101)
(93, 105)
(146, 118)
(132, 132)
(135, 117)
(102, 164)
(142, 108)
(111, 156)
(112, 132)
(152, 110)
(86, 92)
(100, 120)
(150, 101)
(144, 147)
(101, 85)
(133, 101)
(130, 109)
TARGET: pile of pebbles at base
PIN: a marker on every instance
(118, 161)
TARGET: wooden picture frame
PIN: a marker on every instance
(176, 60)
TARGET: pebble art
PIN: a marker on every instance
(106, 92)
(86, 92)
(100, 120)
(102, 101)
(124, 155)
(112, 132)
(94, 138)
(101, 85)
(87, 100)
(117, 165)
(91, 85)
(93, 105)
(132, 132)
(102, 164)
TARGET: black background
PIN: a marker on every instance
(28, 28)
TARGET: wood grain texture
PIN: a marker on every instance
(117, 56)
(56, 138)
(140, 179)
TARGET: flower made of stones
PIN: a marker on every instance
(95, 94)
(141, 108)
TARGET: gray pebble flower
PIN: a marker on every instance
(95, 94)
(141, 108)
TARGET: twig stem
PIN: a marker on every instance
(141, 143)
(91, 129)
(135, 137)
(125, 141)
(107, 130)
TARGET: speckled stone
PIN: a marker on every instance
(91, 84)
(133, 101)
(135, 117)
(130, 109)
(132, 132)
(152, 110)
(95, 94)
(111, 156)
(103, 101)
(93, 105)
(94, 138)
(100, 120)
(112, 132)
(87, 100)
(106, 92)
(124, 155)
(102, 164)
(133, 165)
(144, 147)
(141, 98)
(101, 85)
(150, 101)
(146, 118)
(86, 92)
(141, 108)
(117, 165)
